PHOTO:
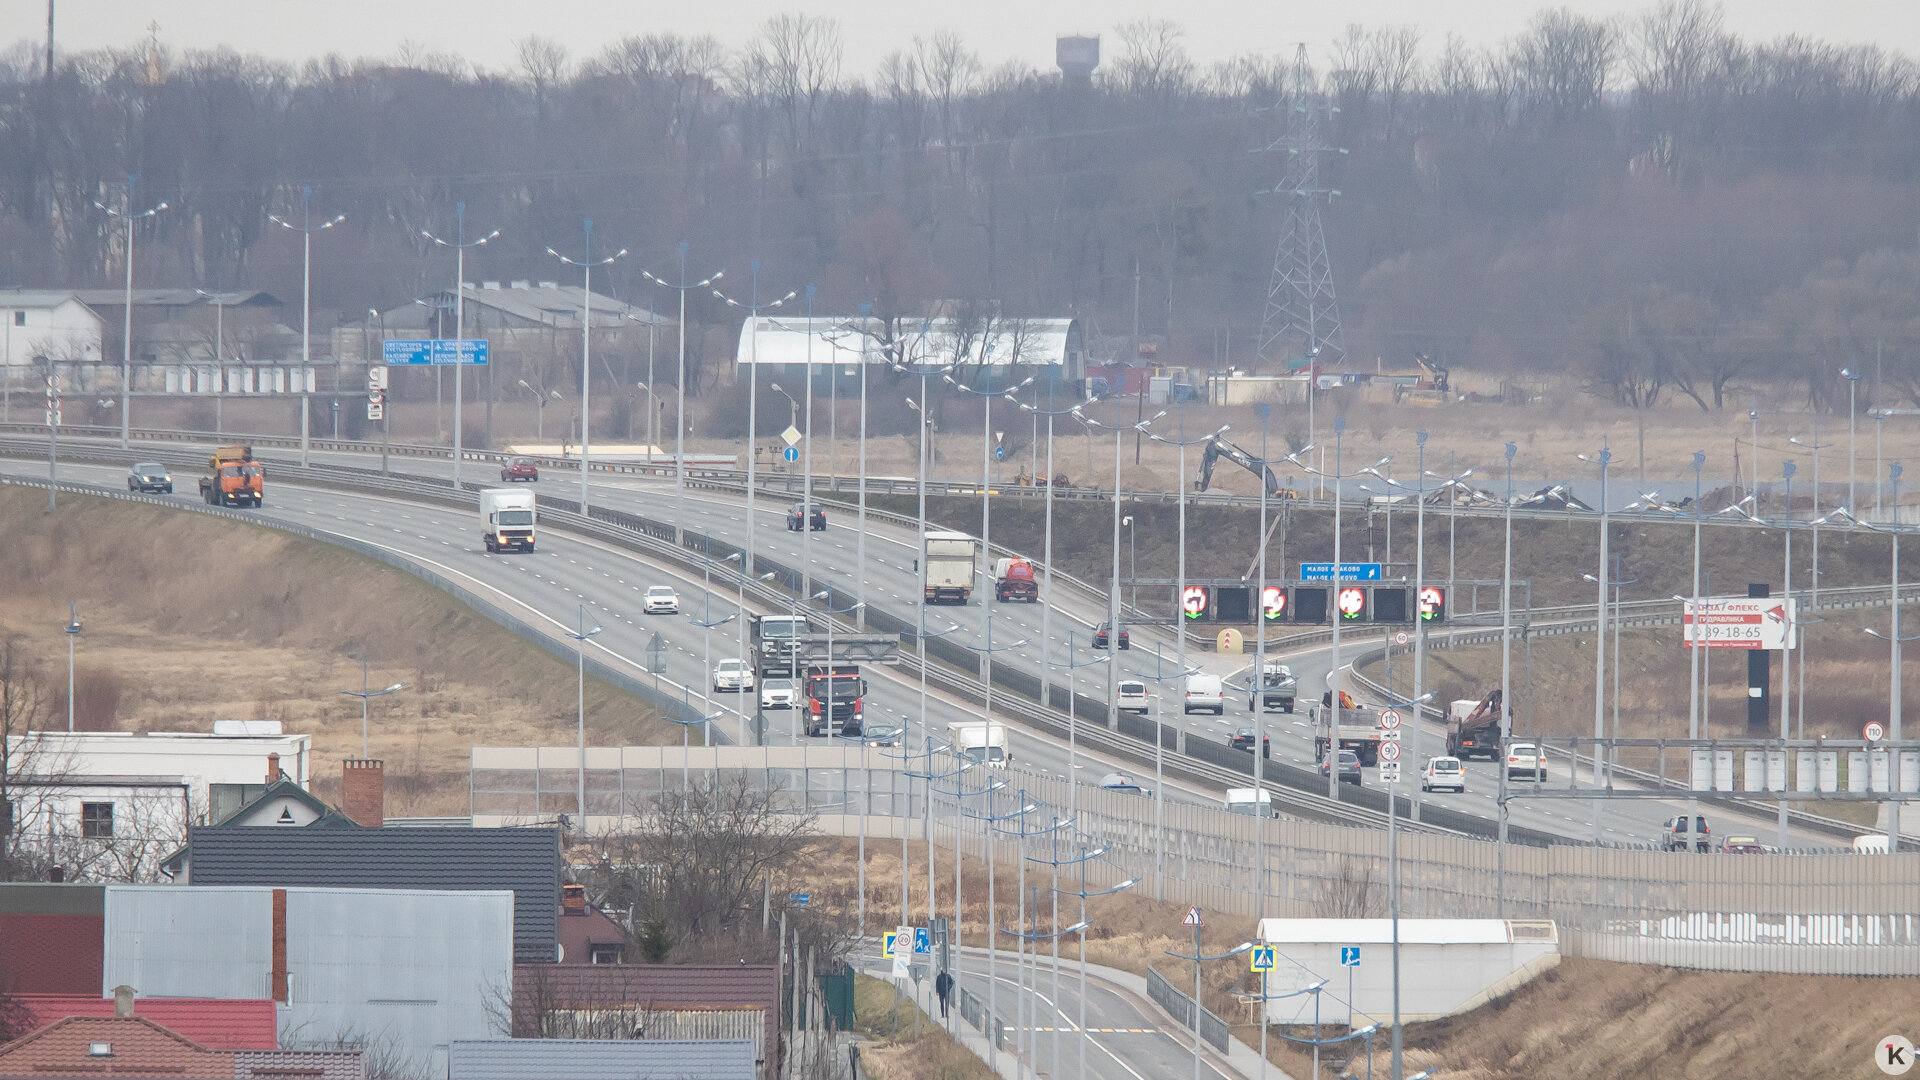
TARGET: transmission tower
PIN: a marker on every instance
(1302, 317)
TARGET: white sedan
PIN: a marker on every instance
(779, 693)
(662, 600)
(733, 675)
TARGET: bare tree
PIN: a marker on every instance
(1153, 61)
(1565, 60)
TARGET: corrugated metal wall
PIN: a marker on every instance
(407, 968)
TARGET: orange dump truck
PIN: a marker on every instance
(237, 479)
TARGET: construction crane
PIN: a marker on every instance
(1218, 448)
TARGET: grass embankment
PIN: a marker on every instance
(191, 619)
(906, 1043)
(1585, 1020)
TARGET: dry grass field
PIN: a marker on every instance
(191, 619)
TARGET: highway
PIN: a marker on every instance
(567, 571)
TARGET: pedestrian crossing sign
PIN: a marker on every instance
(886, 944)
(1261, 959)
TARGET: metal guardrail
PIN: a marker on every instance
(1214, 1031)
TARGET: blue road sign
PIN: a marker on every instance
(799, 899)
(999, 453)
(1349, 956)
(1349, 571)
(887, 940)
(922, 941)
(434, 352)
(791, 453)
(1262, 959)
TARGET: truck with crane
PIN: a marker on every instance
(1352, 728)
(1473, 728)
(237, 480)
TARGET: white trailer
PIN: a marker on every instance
(506, 518)
(948, 567)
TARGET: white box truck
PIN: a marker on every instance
(1253, 802)
(506, 519)
(948, 567)
(981, 740)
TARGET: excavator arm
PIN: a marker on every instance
(1218, 448)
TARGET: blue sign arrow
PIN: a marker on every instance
(791, 453)
(1349, 571)
(999, 453)
(431, 352)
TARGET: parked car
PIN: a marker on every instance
(1744, 845)
(1100, 637)
(1525, 763)
(150, 476)
(1204, 693)
(733, 675)
(1674, 836)
(1131, 696)
(778, 692)
(1443, 772)
(1243, 740)
(1349, 768)
(520, 468)
(801, 516)
(662, 600)
(1122, 783)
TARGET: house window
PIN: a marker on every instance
(604, 954)
(96, 820)
(19, 318)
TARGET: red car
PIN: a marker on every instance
(520, 468)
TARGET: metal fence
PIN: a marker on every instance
(1214, 1031)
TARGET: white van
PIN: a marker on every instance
(1253, 802)
(1872, 844)
(1203, 693)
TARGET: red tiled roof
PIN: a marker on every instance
(52, 954)
(580, 933)
(299, 1065)
(217, 1024)
(139, 1047)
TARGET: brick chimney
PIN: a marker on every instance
(273, 768)
(123, 1001)
(573, 899)
(363, 791)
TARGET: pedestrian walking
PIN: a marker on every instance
(943, 989)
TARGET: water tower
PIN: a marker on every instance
(1077, 56)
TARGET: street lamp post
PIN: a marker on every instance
(1853, 430)
(1813, 598)
(580, 637)
(126, 344)
(586, 262)
(1600, 636)
(306, 229)
(363, 694)
(219, 301)
(73, 631)
(541, 395)
(680, 385)
(1198, 957)
(460, 245)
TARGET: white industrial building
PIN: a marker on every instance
(1447, 966)
(409, 971)
(110, 805)
(1052, 350)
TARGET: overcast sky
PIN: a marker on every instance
(483, 31)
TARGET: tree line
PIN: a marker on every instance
(1650, 202)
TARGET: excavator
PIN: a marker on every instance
(1218, 448)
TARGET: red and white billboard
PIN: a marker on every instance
(1740, 622)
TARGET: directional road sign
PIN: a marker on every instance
(1740, 622)
(791, 453)
(1349, 571)
(999, 453)
(1349, 956)
(799, 899)
(1261, 958)
(1193, 918)
(434, 352)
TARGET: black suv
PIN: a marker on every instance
(1673, 834)
(1100, 637)
(150, 476)
(798, 518)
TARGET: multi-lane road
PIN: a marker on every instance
(567, 571)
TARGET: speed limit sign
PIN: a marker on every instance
(1389, 751)
(1874, 731)
(1401, 638)
(1389, 719)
